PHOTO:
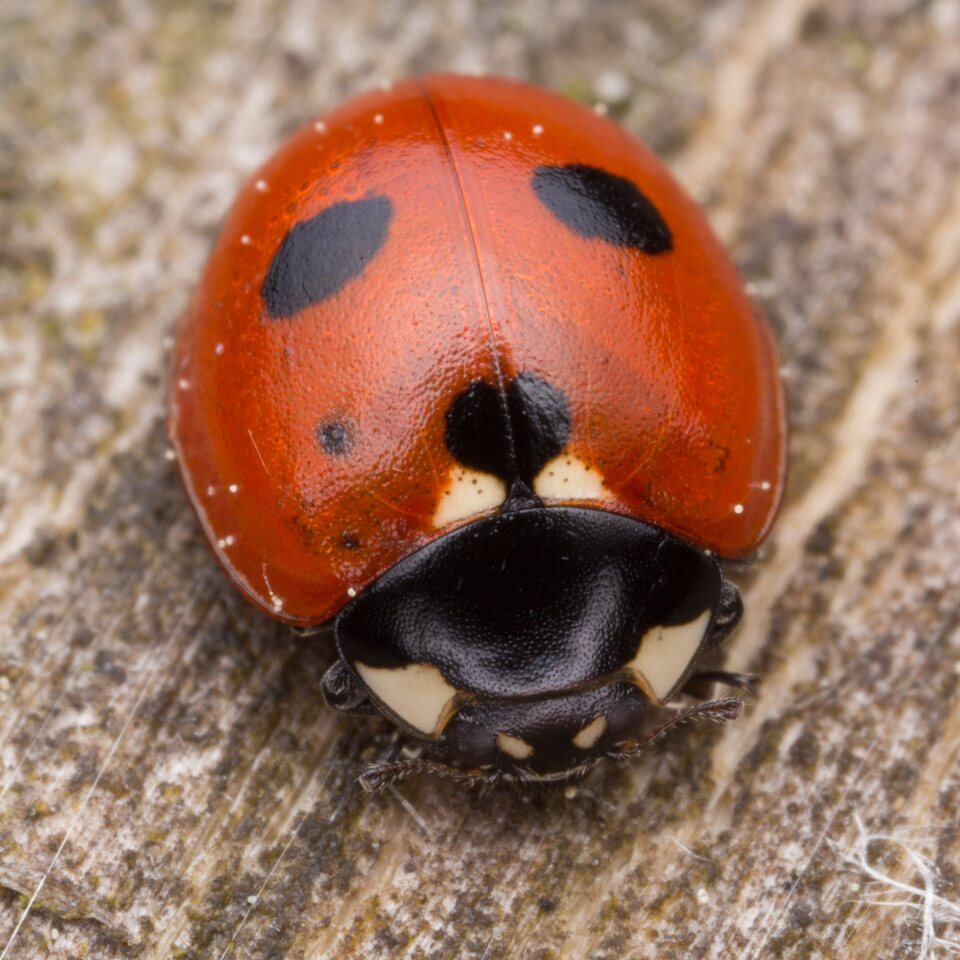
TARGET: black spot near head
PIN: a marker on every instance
(540, 418)
(476, 433)
(594, 203)
(319, 256)
(511, 437)
(335, 438)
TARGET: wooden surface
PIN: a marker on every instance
(170, 784)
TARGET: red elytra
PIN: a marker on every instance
(310, 429)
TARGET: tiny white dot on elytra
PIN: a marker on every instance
(218, 349)
(168, 454)
(351, 592)
(765, 485)
(261, 185)
(738, 508)
(320, 127)
(211, 491)
(277, 603)
(378, 118)
(507, 135)
(233, 488)
(225, 542)
(183, 383)
(537, 129)
(245, 240)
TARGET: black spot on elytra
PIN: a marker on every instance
(511, 437)
(319, 256)
(594, 203)
(335, 438)
(476, 430)
(540, 418)
(350, 540)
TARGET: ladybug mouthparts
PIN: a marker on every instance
(534, 641)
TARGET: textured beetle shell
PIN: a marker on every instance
(670, 375)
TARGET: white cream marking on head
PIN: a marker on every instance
(591, 733)
(514, 746)
(418, 693)
(664, 653)
(568, 478)
(468, 492)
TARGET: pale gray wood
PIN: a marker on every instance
(171, 784)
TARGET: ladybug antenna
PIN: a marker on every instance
(719, 711)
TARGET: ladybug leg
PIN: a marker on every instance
(379, 776)
(700, 684)
(341, 691)
(719, 711)
(729, 612)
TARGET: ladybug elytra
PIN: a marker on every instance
(469, 376)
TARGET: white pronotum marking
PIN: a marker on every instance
(664, 653)
(568, 478)
(468, 492)
(418, 693)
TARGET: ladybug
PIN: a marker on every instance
(469, 379)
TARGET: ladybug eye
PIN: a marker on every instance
(594, 203)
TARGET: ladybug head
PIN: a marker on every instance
(533, 642)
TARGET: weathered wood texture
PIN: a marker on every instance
(170, 785)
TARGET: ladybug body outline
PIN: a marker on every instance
(469, 377)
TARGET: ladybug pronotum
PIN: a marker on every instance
(469, 378)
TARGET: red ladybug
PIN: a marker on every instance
(469, 375)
